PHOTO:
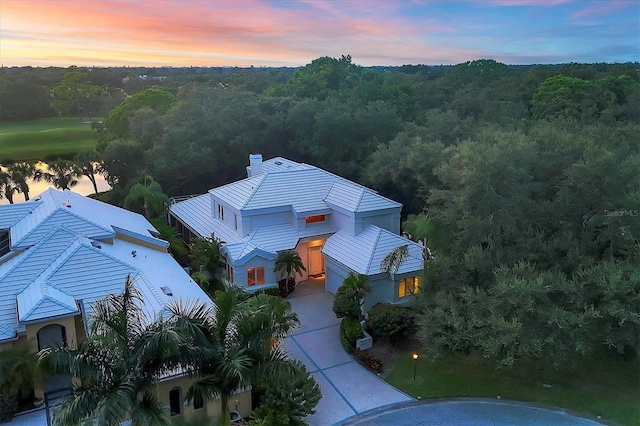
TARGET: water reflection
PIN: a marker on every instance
(84, 187)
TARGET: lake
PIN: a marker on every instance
(83, 187)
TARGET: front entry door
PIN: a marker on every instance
(316, 261)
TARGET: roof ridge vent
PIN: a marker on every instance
(96, 244)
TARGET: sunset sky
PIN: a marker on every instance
(292, 33)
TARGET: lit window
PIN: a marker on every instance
(230, 273)
(175, 405)
(409, 286)
(255, 276)
(316, 218)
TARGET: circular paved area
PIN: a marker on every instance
(470, 411)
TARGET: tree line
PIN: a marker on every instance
(522, 181)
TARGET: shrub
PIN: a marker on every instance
(350, 296)
(348, 346)
(369, 360)
(352, 329)
(387, 320)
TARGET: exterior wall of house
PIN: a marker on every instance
(342, 222)
(211, 409)
(240, 273)
(229, 214)
(309, 251)
(388, 221)
(69, 324)
(381, 291)
(270, 219)
(396, 284)
(335, 273)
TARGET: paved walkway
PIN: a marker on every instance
(348, 389)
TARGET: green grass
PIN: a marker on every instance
(606, 387)
(46, 138)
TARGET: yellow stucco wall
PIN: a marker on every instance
(211, 409)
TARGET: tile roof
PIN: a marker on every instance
(364, 252)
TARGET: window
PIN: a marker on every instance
(175, 403)
(235, 219)
(5, 246)
(220, 212)
(230, 273)
(316, 218)
(255, 276)
(409, 286)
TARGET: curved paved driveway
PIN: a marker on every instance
(348, 389)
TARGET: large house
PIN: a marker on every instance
(335, 225)
(60, 252)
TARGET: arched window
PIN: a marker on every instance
(52, 336)
(175, 402)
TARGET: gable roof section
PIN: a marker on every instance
(24, 237)
(10, 214)
(355, 198)
(196, 212)
(238, 194)
(364, 252)
(90, 216)
(40, 300)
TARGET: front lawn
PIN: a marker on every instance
(599, 386)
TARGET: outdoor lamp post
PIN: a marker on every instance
(415, 363)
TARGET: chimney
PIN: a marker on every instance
(255, 165)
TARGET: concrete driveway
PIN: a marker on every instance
(348, 389)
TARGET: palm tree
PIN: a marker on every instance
(20, 173)
(394, 259)
(17, 372)
(117, 365)
(233, 342)
(8, 186)
(62, 174)
(87, 161)
(150, 192)
(288, 264)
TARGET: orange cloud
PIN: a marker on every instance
(55, 32)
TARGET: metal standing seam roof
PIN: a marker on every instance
(50, 204)
(40, 300)
(63, 267)
(10, 214)
(364, 252)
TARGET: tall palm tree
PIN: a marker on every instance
(20, 173)
(8, 186)
(117, 365)
(151, 195)
(17, 372)
(62, 174)
(87, 161)
(233, 342)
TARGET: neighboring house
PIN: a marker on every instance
(59, 253)
(335, 225)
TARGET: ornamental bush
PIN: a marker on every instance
(387, 320)
(352, 329)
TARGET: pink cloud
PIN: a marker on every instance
(602, 8)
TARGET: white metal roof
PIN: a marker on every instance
(302, 187)
(88, 217)
(64, 267)
(40, 301)
(10, 214)
(364, 252)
